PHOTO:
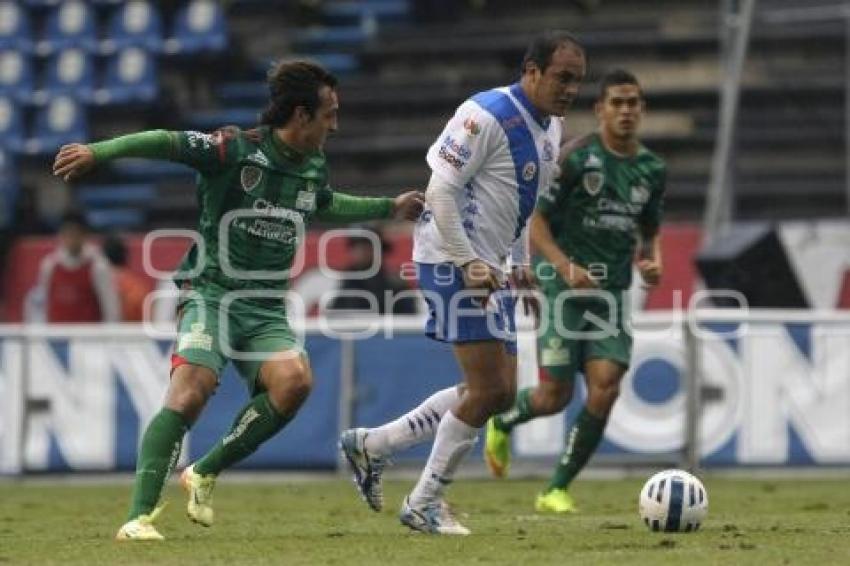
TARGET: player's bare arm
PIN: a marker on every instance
(576, 276)
(649, 260)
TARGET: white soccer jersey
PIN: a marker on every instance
(498, 152)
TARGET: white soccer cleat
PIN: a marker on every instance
(434, 518)
(140, 528)
(367, 468)
(200, 490)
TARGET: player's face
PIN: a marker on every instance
(620, 111)
(555, 89)
(324, 121)
(72, 238)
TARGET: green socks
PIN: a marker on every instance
(520, 413)
(257, 422)
(582, 441)
(157, 456)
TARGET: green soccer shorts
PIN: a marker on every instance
(572, 333)
(216, 325)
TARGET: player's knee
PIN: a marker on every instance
(188, 401)
(604, 395)
(289, 387)
(554, 400)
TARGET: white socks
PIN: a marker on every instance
(454, 440)
(417, 426)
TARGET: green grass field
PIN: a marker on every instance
(322, 522)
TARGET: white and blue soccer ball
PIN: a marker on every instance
(673, 501)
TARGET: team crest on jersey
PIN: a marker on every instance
(593, 177)
(529, 170)
(250, 176)
(640, 194)
(592, 182)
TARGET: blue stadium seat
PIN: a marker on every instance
(99, 196)
(15, 30)
(136, 23)
(199, 26)
(71, 72)
(63, 120)
(116, 218)
(9, 189)
(12, 135)
(71, 24)
(15, 75)
(40, 3)
(130, 77)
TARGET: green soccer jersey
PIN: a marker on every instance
(256, 196)
(600, 201)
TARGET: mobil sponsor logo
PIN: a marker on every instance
(458, 148)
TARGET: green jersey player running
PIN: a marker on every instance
(587, 229)
(256, 190)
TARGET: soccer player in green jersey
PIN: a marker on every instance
(256, 189)
(600, 217)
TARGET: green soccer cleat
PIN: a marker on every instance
(140, 528)
(497, 450)
(555, 501)
(200, 490)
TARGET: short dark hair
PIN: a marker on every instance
(114, 249)
(542, 47)
(74, 217)
(615, 78)
(293, 84)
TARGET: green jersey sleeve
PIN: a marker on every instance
(340, 207)
(653, 212)
(206, 153)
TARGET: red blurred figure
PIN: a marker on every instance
(75, 283)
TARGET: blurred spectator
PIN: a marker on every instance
(75, 282)
(362, 252)
(131, 286)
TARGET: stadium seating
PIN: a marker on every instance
(16, 76)
(116, 207)
(134, 24)
(71, 24)
(131, 76)
(9, 188)
(63, 120)
(12, 133)
(70, 72)
(15, 29)
(199, 27)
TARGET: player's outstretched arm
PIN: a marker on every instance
(72, 161)
(75, 160)
(348, 208)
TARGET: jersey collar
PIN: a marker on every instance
(519, 94)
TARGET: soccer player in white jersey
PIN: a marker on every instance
(487, 166)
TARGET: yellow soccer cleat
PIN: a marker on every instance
(140, 528)
(497, 450)
(200, 490)
(555, 501)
